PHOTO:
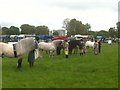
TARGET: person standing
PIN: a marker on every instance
(82, 47)
(58, 49)
(36, 47)
(66, 49)
(96, 47)
(99, 46)
(31, 57)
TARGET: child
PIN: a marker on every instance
(66, 50)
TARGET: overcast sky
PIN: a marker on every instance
(100, 14)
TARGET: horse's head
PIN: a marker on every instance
(36, 44)
(25, 45)
(58, 43)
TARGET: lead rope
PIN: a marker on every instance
(14, 49)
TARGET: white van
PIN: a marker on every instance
(21, 37)
(78, 37)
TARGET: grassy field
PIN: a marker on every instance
(88, 71)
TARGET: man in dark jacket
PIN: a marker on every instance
(99, 46)
(31, 57)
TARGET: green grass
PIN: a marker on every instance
(88, 71)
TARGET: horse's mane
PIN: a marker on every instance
(25, 45)
(57, 42)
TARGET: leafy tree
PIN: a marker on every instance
(66, 23)
(55, 33)
(88, 27)
(74, 26)
(103, 33)
(10, 31)
(14, 30)
(42, 30)
(5, 31)
(27, 29)
(112, 32)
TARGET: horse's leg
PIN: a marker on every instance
(82, 51)
(86, 48)
(74, 50)
(47, 52)
(31, 64)
(2, 55)
(39, 53)
(19, 62)
(70, 50)
(50, 53)
(54, 52)
(95, 50)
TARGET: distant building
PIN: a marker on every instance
(50, 33)
(61, 32)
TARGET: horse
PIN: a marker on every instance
(17, 50)
(73, 45)
(93, 45)
(77, 45)
(82, 47)
(50, 47)
(89, 44)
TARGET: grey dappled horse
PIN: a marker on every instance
(17, 50)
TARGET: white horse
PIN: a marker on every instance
(6, 50)
(92, 45)
(89, 44)
(17, 50)
(50, 46)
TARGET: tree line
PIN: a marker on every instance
(26, 29)
(72, 26)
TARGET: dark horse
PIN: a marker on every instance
(76, 45)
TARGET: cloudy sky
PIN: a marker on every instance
(100, 14)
